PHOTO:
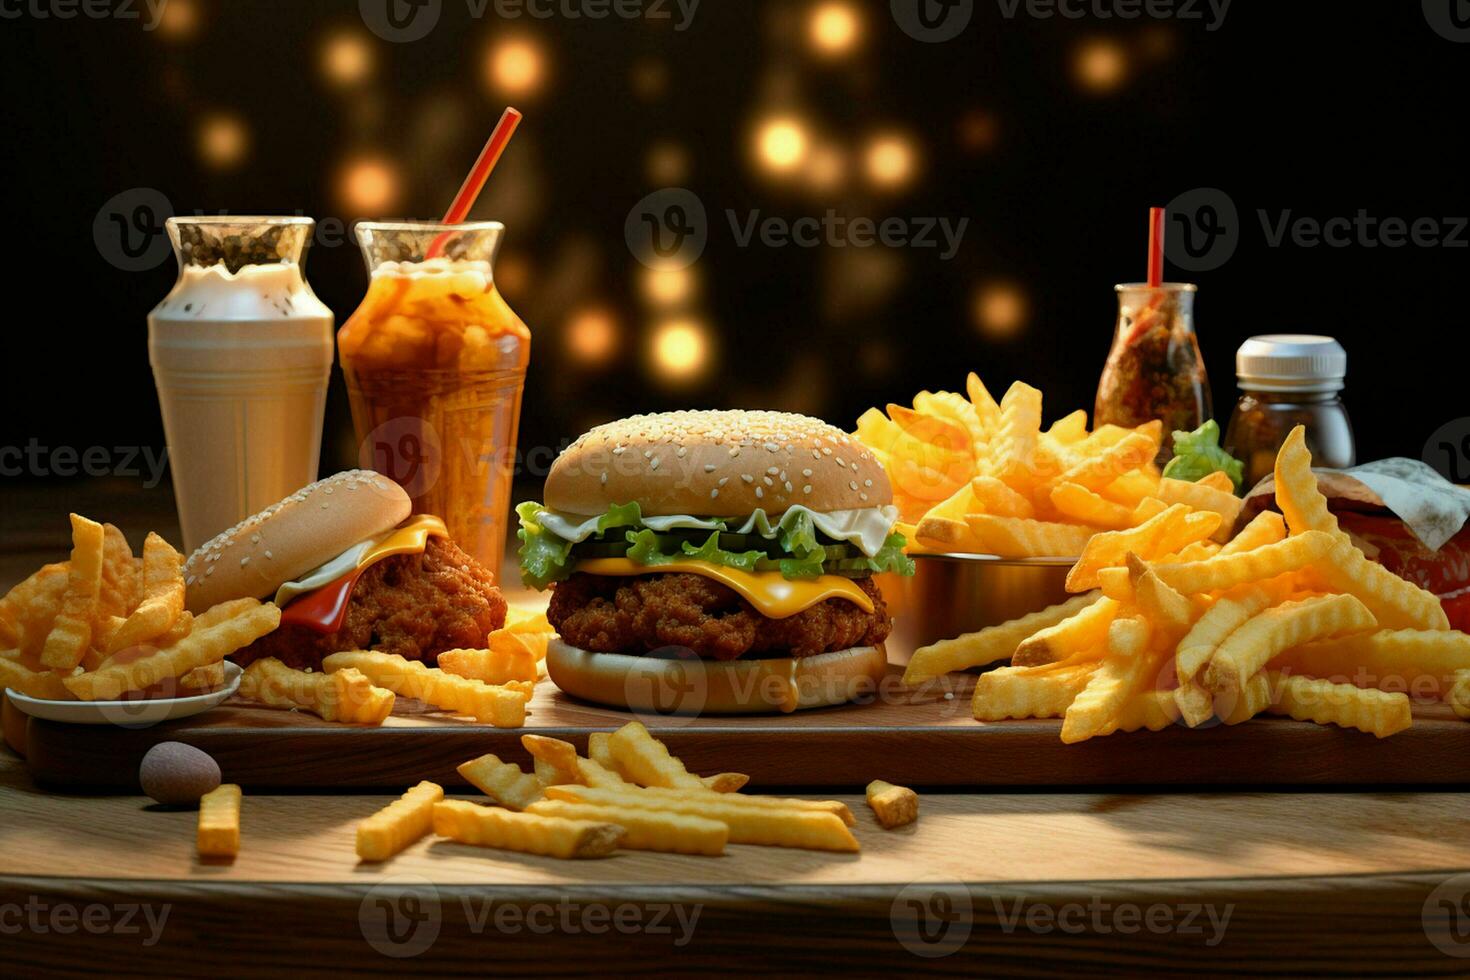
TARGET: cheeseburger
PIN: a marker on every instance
(716, 562)
(351, 571)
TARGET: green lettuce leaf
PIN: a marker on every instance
(620, 515)
(799, 535)
(808, 565)
(1197, 454)
(544, 556)
(711, 552)
(643, 548)
(890, 558)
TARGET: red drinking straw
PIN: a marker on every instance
(1155, 247)
(475, 179)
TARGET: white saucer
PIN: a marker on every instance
(127, 714)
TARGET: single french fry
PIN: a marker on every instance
(1069, 429)
(1273, 631)
(724, 782)
(560, 756)
(1252, 699)
(1116, 583)
(1231, 612)
(1017, 537)
(1170, 612)
(528, 833)
(28, 611)
(945, 535)
(599, 752)
(1077, 502)
(652, 795)
(503, 782)
(510, 656)
(33, 683)
(1268, 561)
(1014, 445)
(1196, 705)
(985, 405)
(1147, 710)
(992, 496)
(1265, 528)
(988, 645)
(1132, 490)
(1084, 631)
(1029, 692)
(163, 596)
(399, 824)
(1201, 497)
(118, 590)
(772, 822)
(1110, 548)
(647, 830)
(1458, 695)
(71, 634)
(647, 761)
(1326, 703)
(345, 695)
(1410, 661)
(593, 773)
(893, 806)
(208, 642)
(1301, 502)
(204, 679)
(1100, 470)
(1217, 480)
(1125, 671)
(503, 706)
(219, 822)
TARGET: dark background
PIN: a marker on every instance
(1319, 107)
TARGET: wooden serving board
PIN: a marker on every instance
(918, 739)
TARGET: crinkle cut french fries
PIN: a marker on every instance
(1289, 617)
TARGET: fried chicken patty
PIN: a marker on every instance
(614, 614)
(416, 606)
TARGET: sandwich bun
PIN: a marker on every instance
(716, 464)
(288, 539)
(690, 685)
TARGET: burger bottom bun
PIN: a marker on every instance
(675, 681)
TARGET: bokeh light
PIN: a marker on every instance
(369, 185)
(1001, 310)
(834, 28)
(826, 168)
(667, 163)
(679, 350)
(347, 58)
(890, 160)
(668, 286)
(223, 140)
(512, 272)
(781, 144)
(592, 335)
(1101, 65)
(516, 67)
(179, 20)
(978, 130)
(650, 79)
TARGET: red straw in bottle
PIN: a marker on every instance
(1155, 247)
(475, 179)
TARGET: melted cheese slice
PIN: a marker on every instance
(406, 539)
(774, 595)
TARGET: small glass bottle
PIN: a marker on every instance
(1154, 370)
(1288, 380)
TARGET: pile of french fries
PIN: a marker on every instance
(492, 685)
(106, 624)
(628, 792)
(1289, 617)
(980, 476)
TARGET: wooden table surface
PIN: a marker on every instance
(1279, 883)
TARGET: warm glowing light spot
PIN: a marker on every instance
(826, 168)
(978, 130)
(781, 144)
(1101, 65)
(179, 20)
(512, 273)
(1001, 310)
(668, 286)
(516, 66)
(889, 161)
(680, 350)
(223, 141)
(834, 28)
(347, 58)
(668, 163)
(369, 185)
(591, 336)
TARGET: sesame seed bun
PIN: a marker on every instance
(288, 539)
(693, 686)
(716, 464)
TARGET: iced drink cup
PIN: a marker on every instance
(241, 352)
(435, 364)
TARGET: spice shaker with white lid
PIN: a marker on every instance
(1287, 380)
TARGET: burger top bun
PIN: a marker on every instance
(716, 464)
(286, 540)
